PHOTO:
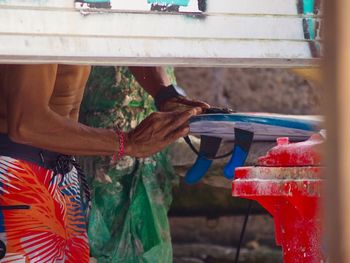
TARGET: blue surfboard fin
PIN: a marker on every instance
(243, 141)
(208, 150)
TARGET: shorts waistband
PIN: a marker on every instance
(59, 163)
(41, 157)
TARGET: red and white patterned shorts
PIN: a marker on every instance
(41, 214)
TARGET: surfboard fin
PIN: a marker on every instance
(243, 141)
(208, 149)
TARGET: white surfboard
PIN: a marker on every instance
(265, 126)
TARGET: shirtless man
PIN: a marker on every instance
(43, 196)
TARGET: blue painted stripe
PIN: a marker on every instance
(169, 2)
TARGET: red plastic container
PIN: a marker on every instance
(287, 182)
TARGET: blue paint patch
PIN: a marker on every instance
(169, 2)
(309, 9)
(309, 6)
(311, 25)
(312, 28)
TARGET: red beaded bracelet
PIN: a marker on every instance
(121, 151)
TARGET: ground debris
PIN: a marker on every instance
(207, 253)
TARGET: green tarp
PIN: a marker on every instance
(130, 200)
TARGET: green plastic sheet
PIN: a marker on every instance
(130, 200)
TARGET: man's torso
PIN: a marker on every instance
(66, 97)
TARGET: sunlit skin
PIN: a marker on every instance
(38, 110)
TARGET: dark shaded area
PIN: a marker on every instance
(208, 201)
(165, 8)
(106, 4)
(202, 5)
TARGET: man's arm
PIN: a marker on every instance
(31, 121)
(154, 79)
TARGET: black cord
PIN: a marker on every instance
(250, 204)
(189, 142)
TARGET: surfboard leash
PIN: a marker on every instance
(190, 144)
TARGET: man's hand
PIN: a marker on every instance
(181, 104)
(158, 131)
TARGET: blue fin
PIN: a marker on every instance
(243, 141)
(208, 149)
(198, 170)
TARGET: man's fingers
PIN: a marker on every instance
(186, 113)
(181, 119)
(193, 103)
(195, 111)
(173, 136)
(180, 116)
(183, 103)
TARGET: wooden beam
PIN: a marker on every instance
(251, 7)
(138, 25)
(247, 33)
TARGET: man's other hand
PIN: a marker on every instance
(158, 131)
(181, 104)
